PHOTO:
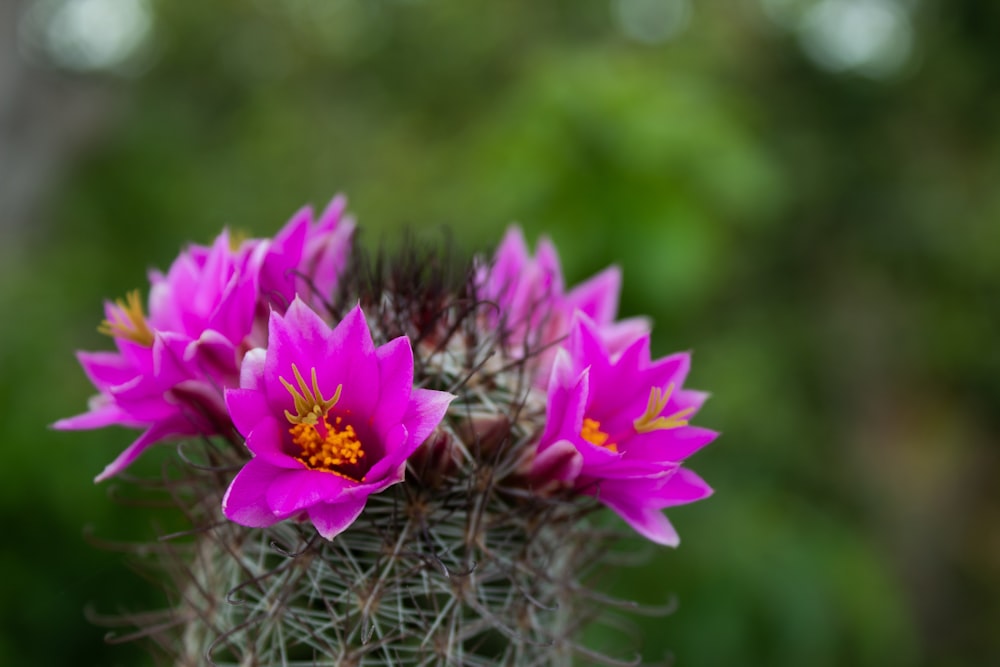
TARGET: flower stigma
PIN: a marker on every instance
(128, 321)
(592, 433)
(324, 446)
(652, 421)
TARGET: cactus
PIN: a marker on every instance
(482, 550)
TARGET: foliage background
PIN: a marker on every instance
(823, 229)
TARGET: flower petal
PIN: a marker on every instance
(103, 412)
(106, 369)
(398, 447)
(395, 368)
(597, 297)
(568, 393)
(649, 522)
(265, 441)
(426, 410)
(559, 462)
(332, 519)
(245, 502)
(296, 490)
(155, 433)
(252, 369)
(682, 488)
(671, 446)
(392, 466)
(298, 336)
(246, 407)
(350, 359)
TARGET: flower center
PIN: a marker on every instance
(592, 433)
(128, 321)
(651, 420)
(325, 446)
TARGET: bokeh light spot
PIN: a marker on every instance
(871, 37)
(652, 21)
(88, 35)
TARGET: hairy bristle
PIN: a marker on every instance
(461, 564)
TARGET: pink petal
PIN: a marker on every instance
(568, 394)
(682, 488)
(673, 445)
(246, 408)
(105, 368)
(266, 442)
(509, 261)
(649, 522)
(296, 490)
(327, 258)
(252, 369)
(155, 433)
(395, 368)
(236, 307)
(103, 412)
(426, 410)
(279, 266)
(560, 462)
(245, 502)
(143, 399)
(617, 336)
(597, 297)
(689, 399)
(331, 520)
(299, 337)
(548, 266)
(392, 466)
(169, 350)
(331, 215)
(350, 359)
(671, 370)
(213, 356)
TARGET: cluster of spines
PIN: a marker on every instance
(462, 564)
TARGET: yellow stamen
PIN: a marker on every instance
(592, 433)
(651, 419)
(128, 321)
(236, 239)
(310, 405)
(324, 446)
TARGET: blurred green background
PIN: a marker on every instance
(804, 192)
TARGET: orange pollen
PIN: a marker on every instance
(324, 446)
(592, 433)
(128, 321)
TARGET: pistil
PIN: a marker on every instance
(324, 446)
(651, 419)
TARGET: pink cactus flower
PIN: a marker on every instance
(306, 257)
(617, 429)
(170, 368)
(533, 309)
(329, 418)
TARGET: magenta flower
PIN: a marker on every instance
(306, 256)
(534, 309)
(170, 368)
(617, 429)
(330, 420)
